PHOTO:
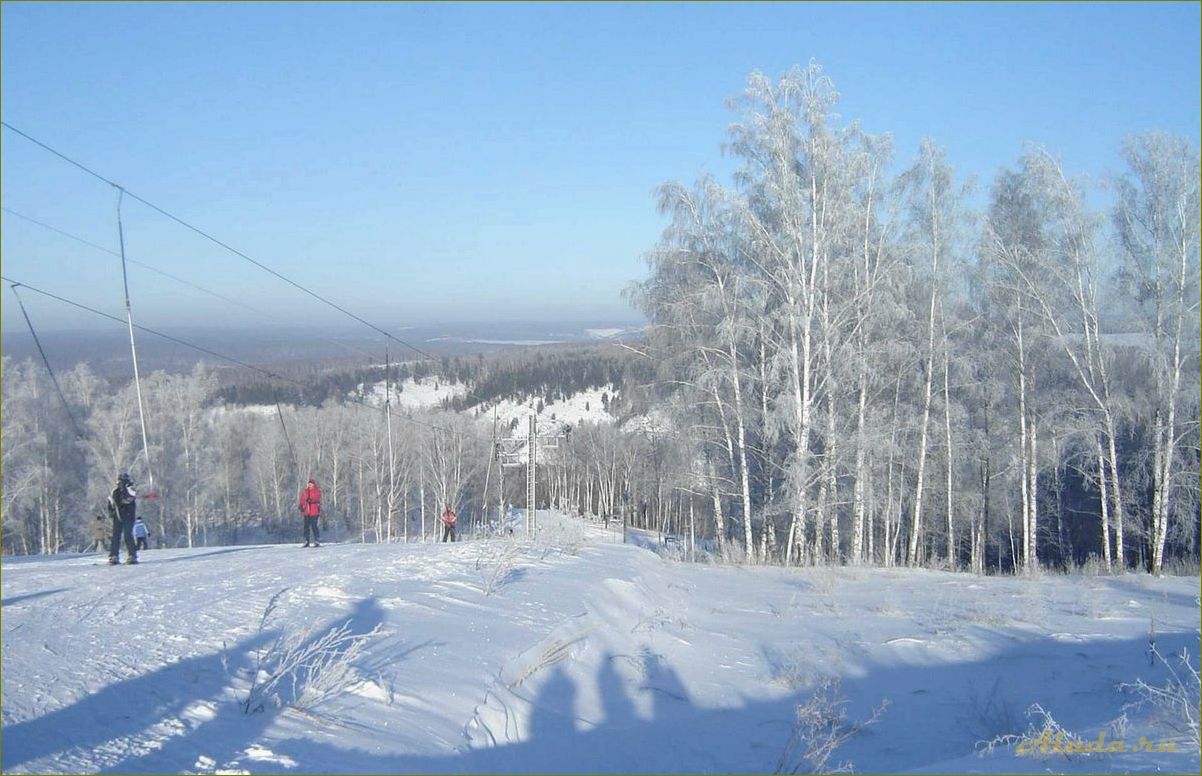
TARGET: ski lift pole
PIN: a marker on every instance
(531, 482)
(133, 348)
(492, 453)
(502, 513)
(391, 502)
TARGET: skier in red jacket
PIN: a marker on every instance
(448, 524)
(310, 507)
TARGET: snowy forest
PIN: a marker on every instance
(849, 359)
(876, 373)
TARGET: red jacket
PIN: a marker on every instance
(310, 501)
(448, 517)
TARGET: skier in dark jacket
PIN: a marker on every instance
(310, 507)
(122, 507)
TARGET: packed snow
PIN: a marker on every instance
(565, 652)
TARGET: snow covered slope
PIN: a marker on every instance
(581, 407)
(569, 653)
(411, 394)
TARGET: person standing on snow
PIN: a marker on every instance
(122, 507)
(101, 533)
(310, 507)
(140, 533)
(448, 524)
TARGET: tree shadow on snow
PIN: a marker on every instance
(27, 596)
(510, 577)
(1133, 585)
(230, 732)
(130, 710)
(199, 555)
(124, 709)
(58, 557)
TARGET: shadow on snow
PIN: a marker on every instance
(13, 599)
(939, 711)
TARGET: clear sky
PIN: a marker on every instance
(419, 163)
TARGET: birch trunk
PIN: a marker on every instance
(952, 559)
(748, 540)
(1032, 554)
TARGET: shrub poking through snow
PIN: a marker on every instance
(302, 669)
(1043, 735)
(1175, 703)
(820, 728)
(990, 714)
(497, 565)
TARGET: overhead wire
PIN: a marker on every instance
(176, 278)
(54, 379)
(287, 438)
(213, 239)
(279, 410)
(208, 351)
(121, 193)
(125, 192)
(79, 432)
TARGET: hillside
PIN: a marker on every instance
(549, 372)
(569, 653)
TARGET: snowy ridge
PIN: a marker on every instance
(581, 407)
(411, 394)
(567, 653)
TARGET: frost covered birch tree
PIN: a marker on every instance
(936, 217)
(1067, 289)
(1157, 223)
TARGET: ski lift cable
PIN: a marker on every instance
(177, 279)
(201, 349)
(288, 439)
(76, 238)
(79, 433)
(74, 424)
(213, 239)
(56, 230)
(149, 330)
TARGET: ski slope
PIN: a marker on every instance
(570, 652)
(581, 407)
(410, 393)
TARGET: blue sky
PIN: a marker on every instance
(421, 163)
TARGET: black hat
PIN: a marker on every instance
(123, 477)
